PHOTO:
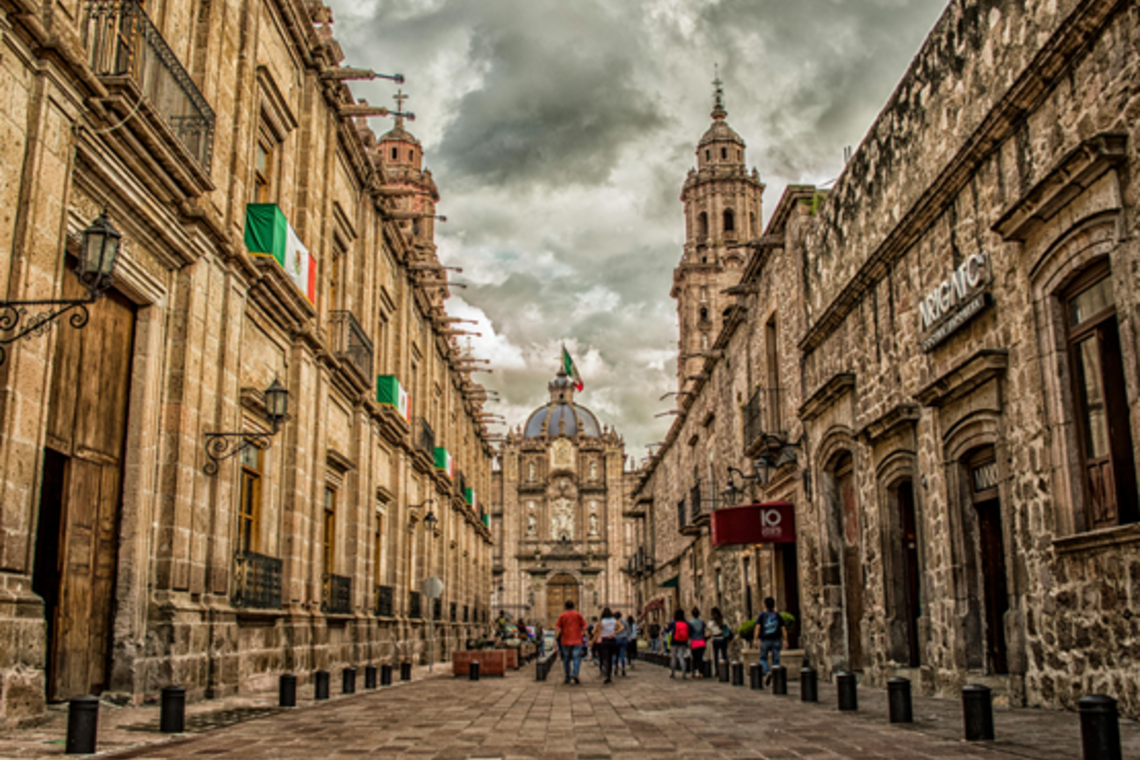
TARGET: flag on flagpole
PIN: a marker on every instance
(571, 370)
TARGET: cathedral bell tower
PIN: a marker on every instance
(722, 209)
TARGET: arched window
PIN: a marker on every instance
(729, 220)
(411, 155)
(724, 154)
(708, 155)
(395, 153)
(704, 314)
(703, 226)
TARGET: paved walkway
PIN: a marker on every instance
(645, 715)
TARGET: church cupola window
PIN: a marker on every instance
(703, 226)
(729, 220)
(395, 154)
(708, 155)
(724, 154)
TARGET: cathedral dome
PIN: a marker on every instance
(562, 416)
(720, 132)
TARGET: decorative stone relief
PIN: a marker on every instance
(562, 520)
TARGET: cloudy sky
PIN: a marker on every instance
(559, 133)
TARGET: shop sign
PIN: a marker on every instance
(955, 301)
(772, 522)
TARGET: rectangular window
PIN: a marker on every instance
(250, 508)
(263, 166)
(378, 550)
(1105, 435)
(328, 533)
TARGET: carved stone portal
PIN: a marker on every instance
(562, 521)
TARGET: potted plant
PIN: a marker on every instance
(747, 631)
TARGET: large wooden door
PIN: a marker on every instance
(993, 580)
(560, 589)
(853, 581)
(79, 505)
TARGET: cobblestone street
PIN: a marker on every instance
(645, 715)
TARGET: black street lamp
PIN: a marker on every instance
(222, 446)
(98, 254)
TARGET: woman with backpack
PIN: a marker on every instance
(697, 632)
(722, 635)
(677, 632)
(605, 640)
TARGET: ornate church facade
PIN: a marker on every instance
(562, 531)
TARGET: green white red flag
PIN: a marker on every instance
(571, 370)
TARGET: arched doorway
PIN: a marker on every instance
(560, 588)
(988, 545)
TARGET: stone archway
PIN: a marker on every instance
(559, 589)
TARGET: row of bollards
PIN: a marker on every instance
(1100, 720)
(83, 712)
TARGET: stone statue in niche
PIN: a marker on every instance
(593, 525)
(531, 526)
(562, 521)
(593, 470)
(530, 471)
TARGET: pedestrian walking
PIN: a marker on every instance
(697, 642)
(654, 637)
(722, 635)
(568, 632)
(631, 647)
(590, 639)
(621, 642)
(605, 642)
(773, 632)
(677, 635)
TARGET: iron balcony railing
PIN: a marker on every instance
(336, 595)
(122, 42)
(702, 499)
(762, 415)
(351, 343)
(414, 607)
(461, 484)
(425, 437)
(385, 597)
(257, 581)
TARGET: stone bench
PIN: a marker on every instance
(492, 662)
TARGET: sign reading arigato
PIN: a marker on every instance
(770, 522)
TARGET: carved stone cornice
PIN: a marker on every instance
(971, 373)
(827, 395)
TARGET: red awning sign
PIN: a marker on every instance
(770, 522)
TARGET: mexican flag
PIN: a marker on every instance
(571, 370)
(390, 393)
(470, 499)
(268, 233)
(443, 461)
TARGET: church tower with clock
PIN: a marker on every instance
(562, 529)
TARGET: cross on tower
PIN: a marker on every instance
(400, 97)
(718, 103)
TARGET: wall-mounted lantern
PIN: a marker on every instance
(222, 446)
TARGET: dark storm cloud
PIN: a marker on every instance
(560, 134)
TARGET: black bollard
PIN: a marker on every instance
(898, 699)
(738, 674)
(722, 672)
(848, 696)
(809, 684)
(82, 725)
(540, 671)
(405, 671)
(172, 719)
(706, 668)
(321, 684)
(779, 680)
(348, 681)
(978, 712)
(287, 690)
(370, 676)
(1100, 728)
(756, 676)
(385, 675)
(473, 670)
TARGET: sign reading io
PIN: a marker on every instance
(772, 522)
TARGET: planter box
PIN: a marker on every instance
(512, 656)
(492, 662)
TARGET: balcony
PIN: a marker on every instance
(351, 344)
(415, 608)
(124, 45)
(257, 581)
(336, 595)
(460, 485)
(424, 437)
(762, 417)
(385, 601)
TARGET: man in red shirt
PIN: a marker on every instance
(568, 631)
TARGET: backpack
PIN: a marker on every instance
(726, 632)
(770, 624)
(680, 632)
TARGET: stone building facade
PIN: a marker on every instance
(562, 528)
(959, 363)
(138, 547)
